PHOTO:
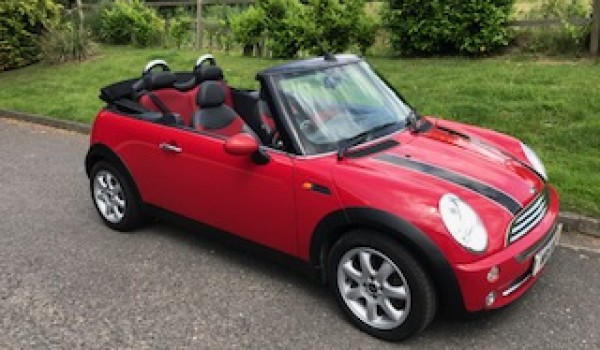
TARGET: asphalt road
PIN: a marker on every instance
(66, 281)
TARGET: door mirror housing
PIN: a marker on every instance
(246, 145)
(241, 145)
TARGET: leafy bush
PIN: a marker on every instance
(365, 33)
(447, 27)
(563, 39)
(217, 24)
(286, 26)
(65, 42)
(21, 24)
(278, 20)
(336, 24)
(180, 27)
(316, 26)
(248, 27)
(93, 18)
(131, 22)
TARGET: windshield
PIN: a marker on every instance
(336, 104)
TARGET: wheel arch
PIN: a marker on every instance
(336, 224)
(100, 152)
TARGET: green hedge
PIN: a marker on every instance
(447, 26)
(130, 22)
(22, 22)
(314, 26)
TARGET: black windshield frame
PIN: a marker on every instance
(282, 104)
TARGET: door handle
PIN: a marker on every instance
(169, 147)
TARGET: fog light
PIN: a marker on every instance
(490, 299)
(493, 274)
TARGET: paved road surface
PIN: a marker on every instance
(66, 281)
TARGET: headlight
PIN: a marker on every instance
(463, 223)
(535, 161)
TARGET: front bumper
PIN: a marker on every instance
(515, 264)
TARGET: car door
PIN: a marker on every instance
(233, 193)
(148, 150)
(189, 173)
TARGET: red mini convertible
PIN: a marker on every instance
(402, 215)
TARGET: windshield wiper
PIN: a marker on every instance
(411, 119)
(415, 123)
(345, 144)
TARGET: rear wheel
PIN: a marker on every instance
(380, 286)
(114, 198)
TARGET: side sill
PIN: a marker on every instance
(235, 242)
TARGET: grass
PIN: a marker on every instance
(552, 105)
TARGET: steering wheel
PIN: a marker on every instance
(202, 59)
(156, 63)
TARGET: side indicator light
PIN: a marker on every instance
(316, 188)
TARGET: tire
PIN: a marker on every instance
(392, 298)
(115, 197)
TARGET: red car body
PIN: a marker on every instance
(300, 204)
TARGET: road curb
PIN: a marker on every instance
(577, 223)
(48, 121)
(572, 222)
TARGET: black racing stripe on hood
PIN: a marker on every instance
(497, 196)
(490, 147)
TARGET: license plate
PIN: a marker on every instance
(541, 258)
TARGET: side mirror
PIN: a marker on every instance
(241, 145)
(246, 145)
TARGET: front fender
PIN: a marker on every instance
(99, 152)
(337, 223)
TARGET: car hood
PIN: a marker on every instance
(462, 160)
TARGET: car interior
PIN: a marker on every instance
(200, 100)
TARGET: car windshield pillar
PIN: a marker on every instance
(269, 94)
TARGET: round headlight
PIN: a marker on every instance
(534, 160)
(463, 223)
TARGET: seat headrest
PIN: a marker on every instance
(211, 73)
(211, 94)
(159, 80)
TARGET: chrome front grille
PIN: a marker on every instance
(528, 217)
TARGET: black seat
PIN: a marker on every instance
(214, 115)
(209, 73)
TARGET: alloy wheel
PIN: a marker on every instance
(373, 288)
(109, 196)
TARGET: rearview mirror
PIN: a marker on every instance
(241, 145)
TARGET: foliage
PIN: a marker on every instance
(563, 39)
(248, 26)
(217, 24)
(335, 25)
(287, 27)
(223, 12)
(365, 33)
(179, 27)
(447, 27)
(93, 18)
(131, 22)
(65, 42)
(21, 24)
(316, 26)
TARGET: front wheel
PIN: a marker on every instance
(380, 286)
(114, 198)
